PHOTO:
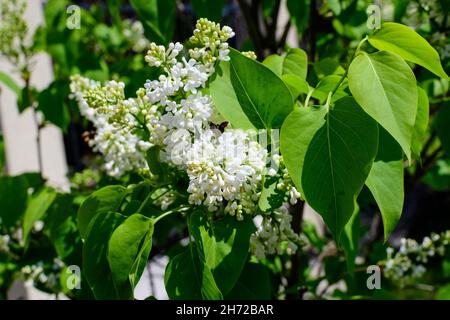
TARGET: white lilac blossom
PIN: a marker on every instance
(410, 261)
(4, 243)
(13, 30)
(133, 32)
(40, 275)
(275, 235)
(225, 168)
(116, 119)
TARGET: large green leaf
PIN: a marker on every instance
(385, 87)
(61, 228)
(263, 96)
(328, 154)
(295, 62)
(225, 99)
(129, 248)
(37, 207)
(187, 277)
(224, 244)
(421, 123)
(385, 181)
(95, 250)
(408, 44)
(13, 199)
(53, 105)
(253, 284)
(107, 199)
(208, 9)
(157, 17)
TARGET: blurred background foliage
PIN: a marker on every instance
(111, 44)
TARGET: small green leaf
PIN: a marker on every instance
(271, 198)
(187, 277)
(385, 181)
(275, 63)
(95, 251)
(350, 239)
(385, 87)
(421, 123)
(296, 84)
(408, 44)
(295, 62)
(155, 165)
(263, 96)
(328, 155)
(129, 246)
(107, 199)
(37, 207)
(327, 67)
(10, 83)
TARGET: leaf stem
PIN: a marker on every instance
(167, 213)
(358, 48)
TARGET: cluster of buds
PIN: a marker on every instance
(410, 261)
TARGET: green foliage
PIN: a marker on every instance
(403, 41)
(107, 199)
(9, 82)
(95, 255)
(385, 87)
(345, 139)
(157, 16)
(421, 123)
(128, 251)
(36, 209)
(13, 199)
(348, 116)
(253, 284)
(223, 245)
(209, 9)
(385, 181)
(225, 98)
(263, 96)
(188, 277)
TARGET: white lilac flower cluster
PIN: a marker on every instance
(225, 166)
(411, 259)
(275, 235)
(38, 275)
(13, 30)
(133, 31)
(119, 132)
(4, 243)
